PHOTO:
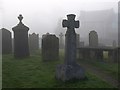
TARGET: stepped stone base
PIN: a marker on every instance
(69, 72)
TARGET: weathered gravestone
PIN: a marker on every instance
(70, 69)
(50, 47)
(93, 39)
(21, 47)
(6, 41)
(61, 41)
(33, 42)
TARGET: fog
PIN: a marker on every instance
(43, 16)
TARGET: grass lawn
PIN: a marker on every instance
(107, 67)
(32, 72)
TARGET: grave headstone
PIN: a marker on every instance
(50, 47)
(93, 39)
(21, 47)
(70, 69)
(61, 41)
(6, 41)
(33, 42)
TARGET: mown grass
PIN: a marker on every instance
(32, 72)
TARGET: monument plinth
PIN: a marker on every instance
(70, 69)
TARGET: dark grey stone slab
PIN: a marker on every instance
(50, 47)
(6, 41)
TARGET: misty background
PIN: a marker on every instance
(43, 16)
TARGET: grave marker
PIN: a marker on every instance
(21, 47)
(50, 47)
(70, 69)
(33, 42)
(6, 41)
(93, 39)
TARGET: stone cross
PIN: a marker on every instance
(20, 17)
(70, 39)
(70, 70)
(70, 23)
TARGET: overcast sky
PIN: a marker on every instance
(41, 16)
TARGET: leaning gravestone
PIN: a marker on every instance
(33, 42)
(6, 41)
(70, 69)
(21, 47)
(93, 39)
(50, 47)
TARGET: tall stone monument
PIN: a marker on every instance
(70, 69)
(21, 47)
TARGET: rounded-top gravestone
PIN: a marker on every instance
(93, 39)
(21, 47)
(6, 41)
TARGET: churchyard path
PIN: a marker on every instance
(100, 73)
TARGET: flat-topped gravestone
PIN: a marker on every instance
(61, 41)
(33, 42)
(6, 41)
(50, 47)
(70, 69)
(21, 47)
(93, 39)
